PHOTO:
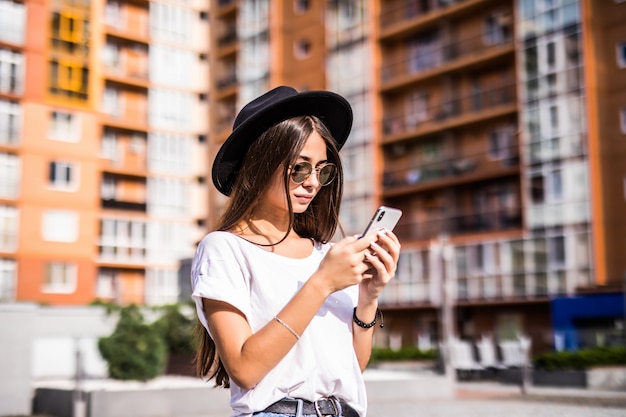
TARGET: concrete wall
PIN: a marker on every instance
(42, 343)
(16, 327)
(60, 332)
(192, 401)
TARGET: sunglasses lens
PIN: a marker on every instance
(300, 172)
(326, 174)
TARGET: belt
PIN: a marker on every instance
(322, 407)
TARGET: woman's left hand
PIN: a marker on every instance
(383, 257)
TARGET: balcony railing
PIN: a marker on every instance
(473, 104)
(227, 81)
(462, 223)
(408, 10)
(447, 168)
(123, 205)
(228, 38)
(428, 56)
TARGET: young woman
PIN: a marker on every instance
(288, 317)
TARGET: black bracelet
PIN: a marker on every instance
(368, 325)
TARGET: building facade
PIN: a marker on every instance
(494, 149)
(103, 143)
(496, 126)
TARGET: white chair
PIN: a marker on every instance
(512, 354)
(462, 358)
(487, 354)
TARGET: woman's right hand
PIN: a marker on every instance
(343, 265)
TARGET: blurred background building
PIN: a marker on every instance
(103, 138)
(499, 127)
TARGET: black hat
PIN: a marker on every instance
(271, 108)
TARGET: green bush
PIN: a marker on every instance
(135, 350)
(581, 359)
(176, 329)
(405, 353)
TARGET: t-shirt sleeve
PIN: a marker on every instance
(217, 274)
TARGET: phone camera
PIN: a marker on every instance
(381, 215)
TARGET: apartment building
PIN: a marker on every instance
(103, 148)
(309, 45)
(502, 148)
(481, 120)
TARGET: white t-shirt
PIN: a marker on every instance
(259, 283)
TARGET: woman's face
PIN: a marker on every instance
(301, 195)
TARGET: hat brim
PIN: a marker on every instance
(332, 109)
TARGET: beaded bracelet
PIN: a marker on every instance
(368, 325)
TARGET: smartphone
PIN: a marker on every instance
(383, 218)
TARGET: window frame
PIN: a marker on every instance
(66, 283)
(57, 170)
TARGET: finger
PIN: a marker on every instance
(391, 243)
(381, 253)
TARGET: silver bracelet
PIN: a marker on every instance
(288, 327)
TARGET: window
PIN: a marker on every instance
(108, 188)
(106, 286)
(161, 287)
(122, 240)
(168, 196)
(69, 74)
(11, 71)
(497, 28)
(537, 189)
(60, 278)
(424, 52)
(64, 127)
(9, 175)
(557, 250)
(62, 175)
(12, 21)
(109, 146)
(60, 226)
(9, 222)
(10, 122)
(302, 49)
(8, 279)
(502, 142)
(69, 79)
(416, 109)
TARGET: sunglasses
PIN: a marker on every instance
(303, 170)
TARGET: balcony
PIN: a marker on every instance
(478, 106)
(432, 58)
(128, 22)
(448, 172)
(509, 218)
(127, 109)
(396, 15)
(126, 65)
(123, 192)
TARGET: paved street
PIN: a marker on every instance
(428, 395)
(491, 408)
(406, 393)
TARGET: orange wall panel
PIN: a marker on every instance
(31, 273)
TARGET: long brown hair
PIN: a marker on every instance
(278, 146)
